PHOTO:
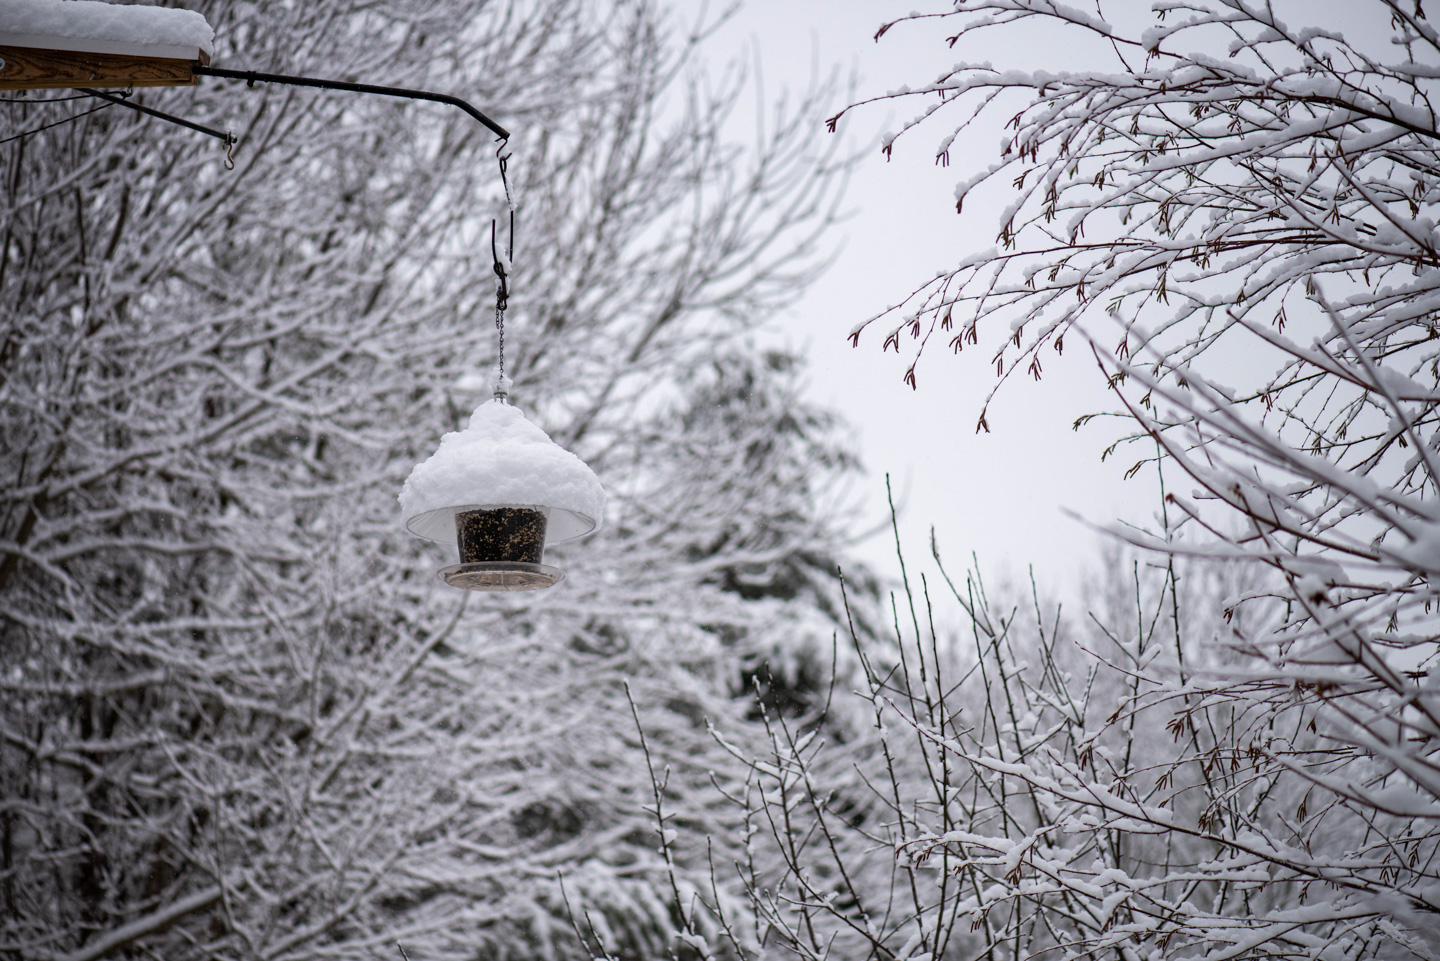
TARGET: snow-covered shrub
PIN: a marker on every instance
(1120, 782)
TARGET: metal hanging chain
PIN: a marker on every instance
(502, 273)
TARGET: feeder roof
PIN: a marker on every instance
(501, 459)
(104, 27)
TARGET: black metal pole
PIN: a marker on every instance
(251, 77)
(225, 136)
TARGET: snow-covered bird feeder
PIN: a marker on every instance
(501, 488)
(86, 43)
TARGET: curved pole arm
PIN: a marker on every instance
(251, 77)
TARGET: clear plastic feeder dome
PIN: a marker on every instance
(500, 490)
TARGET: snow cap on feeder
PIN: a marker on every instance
(501, 487)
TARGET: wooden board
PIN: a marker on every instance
(31, 68)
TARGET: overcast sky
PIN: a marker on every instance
(1002, 494)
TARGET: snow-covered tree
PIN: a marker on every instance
(239, 714)
(1093, 786)
(1230, 204)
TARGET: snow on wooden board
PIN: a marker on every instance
(48, 44)
(89, 26)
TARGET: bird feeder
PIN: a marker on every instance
(501, 489)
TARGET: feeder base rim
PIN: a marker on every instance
(501, 576)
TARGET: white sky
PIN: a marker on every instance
(1002, 494)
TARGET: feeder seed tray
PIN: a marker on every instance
(502, 576)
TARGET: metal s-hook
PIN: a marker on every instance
(504, 160)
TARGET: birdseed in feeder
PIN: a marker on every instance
(501, 534)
